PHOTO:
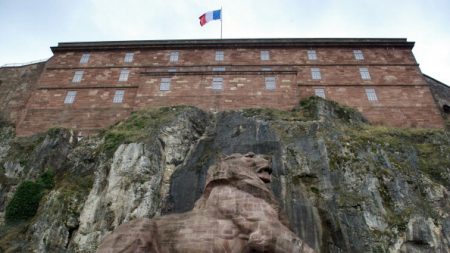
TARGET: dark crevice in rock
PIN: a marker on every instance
(71, 231)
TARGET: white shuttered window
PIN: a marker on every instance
(165, 84)
(217, 83)
(85, 58)
(70, 97)
(118, 96)
(315, 74)
(371, 95)
(77, 76)
(365, 75)
(124, 73)
(270, 83)
(128, 57)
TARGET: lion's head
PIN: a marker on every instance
(250, 163)
(235, 167)
(250, 172)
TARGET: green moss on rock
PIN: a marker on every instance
(139, 126)
(22, 148)
(274, 114)
(25, 201)
(315, 108)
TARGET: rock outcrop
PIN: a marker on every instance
(237, 212)
(343, 185)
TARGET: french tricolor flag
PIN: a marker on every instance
(209, 16)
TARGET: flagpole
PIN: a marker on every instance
(221, 18)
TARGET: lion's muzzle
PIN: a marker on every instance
(264, 173)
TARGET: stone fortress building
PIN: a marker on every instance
(90, 85)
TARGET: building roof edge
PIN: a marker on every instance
(232, 43)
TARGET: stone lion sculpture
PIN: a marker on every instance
(236, 213)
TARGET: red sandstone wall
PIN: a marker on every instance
(16, 84)
(404, 98)
(87, 120)
(92, 109)
(85, 98)
(239, 92)
(57, 78)
(331, 75)
(350, 75)
(234, 56)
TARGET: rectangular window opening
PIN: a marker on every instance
(124, 73)
(371, 95)
(77, 76)
(365, 75)
(217, 83)
(358, 54)
(174, 56)
(319, 92)
(312, 55)
(165, 84)
(315, 74)
(265, 56)
(270, 83)
(220, 55)
(118, 96)
(128, 57)
(85, 58)
(70, 97)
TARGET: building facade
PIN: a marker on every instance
(91, 85)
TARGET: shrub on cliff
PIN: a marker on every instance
(25, 201)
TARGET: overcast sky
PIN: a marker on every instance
(29, 27)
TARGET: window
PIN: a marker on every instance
(84, 58)
(171, 70)
(118, 96)
(315, 74)
(266, 69)
(77, 76)
(128, 57)
(219, 69)
(312, 55)
(174, 56)
(364, 73)
(217, 83)
(124, 75)
(165, 84)
(371, 95)
(270, 83)
(219, 55)
(70, 97)
(265, 56)
(358, 55)
(319, 92)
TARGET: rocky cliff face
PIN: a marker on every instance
(344, 186)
